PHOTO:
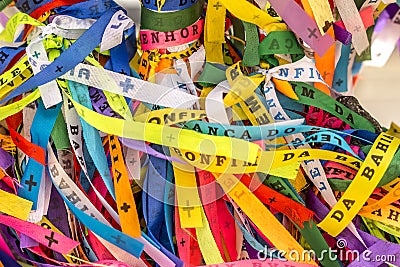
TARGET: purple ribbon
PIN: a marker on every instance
(27, 242)
(100, 104)
(377, 248)
(6, 160)
(342, 35)
(142, 146)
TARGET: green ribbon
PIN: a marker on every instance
(250, 57)
(171, 21)
(4, 4)
(60, 133)
(211, 75)
(311, 96)
(280, 42)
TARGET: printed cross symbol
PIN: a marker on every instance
(182, 242)
(217, 5)
(357, 28)
(158, 169)
(272, 200)
(118, 239)
(36, 54)
(188, 209)
(59, 68)
(133, 161)
(325, 74)
(227, 224)
(170, 138)
(171, 193)
(256, 16)
(51, 239)
(82, 113)
(30, 183)
(122, 110)
(19, 106)
(125, 207)
(127, 85)
(339, 82)
(312, 33)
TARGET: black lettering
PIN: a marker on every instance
(308, 92)
(190, 156)
(169, 35)
(382, 147)
(338, 109)
(338, 215)
(368, 172)
(73, 197)
(154, 37)
(220, 160)
(288, 156)
(185, 33)
(348, 203)
(394, 215)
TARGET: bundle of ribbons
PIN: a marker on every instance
(195, 133)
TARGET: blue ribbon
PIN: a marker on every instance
(153, 189)
(88, 9)
(90, 169)
(294, 106)
(7, 260)
(91, 135)
(119, 59)
(71, 57)
(131, 44)
(28, 6)
(152, 194)
(108, 233)
(86, 247)
(6, 55)
(169, 196)
(261, 132)
(340, 77)
(153, 197)
(42, 125)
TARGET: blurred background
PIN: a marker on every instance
(378, 91)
